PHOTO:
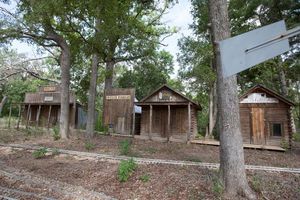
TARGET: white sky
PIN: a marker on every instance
(178, 16)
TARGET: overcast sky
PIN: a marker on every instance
(178, 16)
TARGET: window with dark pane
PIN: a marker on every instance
(277, 129)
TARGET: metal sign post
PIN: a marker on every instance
(246, 50)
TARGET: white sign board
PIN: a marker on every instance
(259, 98)
(48, 98)
(246, 50)
(118, 97)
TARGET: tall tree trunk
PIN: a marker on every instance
(3, 101)
(109, 74)
(90, 126)
(65, 64)
(231, 145)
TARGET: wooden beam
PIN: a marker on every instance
(150, 122)
(74, 113)
(133, 121)
(19, 116)
(49, 115)
(38, 116)
(28, 115)
(189, 121)
(9, 117)
(169, 122)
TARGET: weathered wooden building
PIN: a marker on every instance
(42, 108)
(265, 117)
(118, 110)
(167, 115)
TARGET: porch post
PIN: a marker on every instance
(49, 115)
(74, 113)
(19, 116)
(150, 122)
(133, 120)
(28, 115)
(38, 116)
(189, 122)
(169, 121)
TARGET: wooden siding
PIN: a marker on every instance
(260, 116)
(165, 95)
(118, 109)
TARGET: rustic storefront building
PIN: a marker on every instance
(168, 115)
(42, 108)
(265, 117)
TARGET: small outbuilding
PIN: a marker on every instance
(265, 117)
(42, 108)
(168, 115)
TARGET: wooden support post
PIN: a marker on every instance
(169, 122)
(133, 120)
(19, 117)
(49, 115)
(150, 122)
(9, 116)
(38, 116)
(189, 122)
(74, 113)
(28, 115)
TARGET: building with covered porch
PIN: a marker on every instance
(168, 115)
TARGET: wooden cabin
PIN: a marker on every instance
(42, 108)
(265, 117)
(167, 115)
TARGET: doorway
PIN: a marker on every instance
(258, 126)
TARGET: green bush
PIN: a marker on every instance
(125, 170)
(40, 153)
(145, 178)
(89, 146)
(284, 144)
(256, 183)
(217, 186)
(56, 135)
(125, 147)
(296, 137)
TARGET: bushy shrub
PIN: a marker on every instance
(125, 147)
(56, 135)
(296, 137)
(89, 145)
(125, 170)
(145, 178)
(40, 153)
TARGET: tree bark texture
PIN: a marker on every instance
(90, 126)
(65, 64)
(232, 166)
(3, 101)
(109, 74)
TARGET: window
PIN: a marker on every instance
(277, 129)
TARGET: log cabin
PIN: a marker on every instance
(168, 115)
(42, 108)
(265, 117)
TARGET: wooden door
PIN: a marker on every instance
(258, 126)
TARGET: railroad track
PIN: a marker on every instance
(114, 158)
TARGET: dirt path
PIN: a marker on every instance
(115, 158)
(20, 184)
